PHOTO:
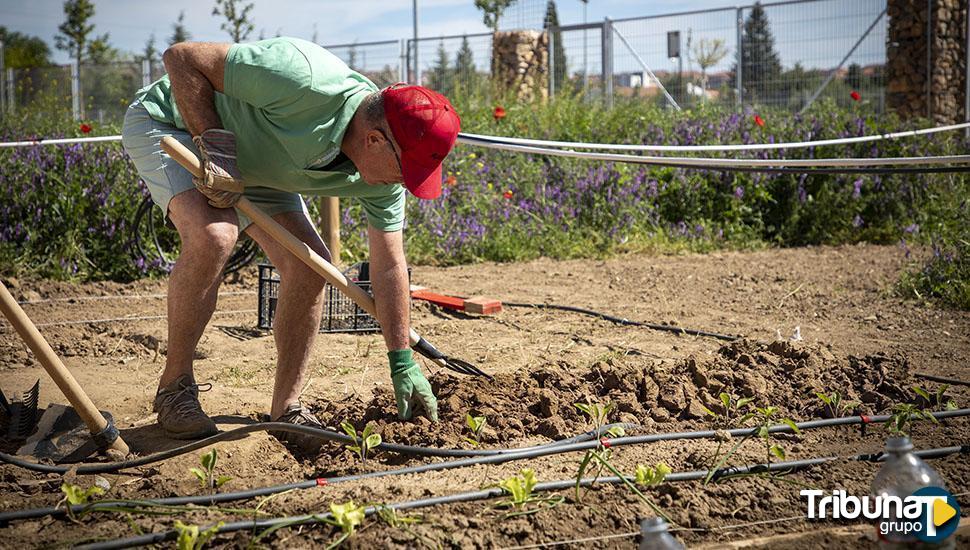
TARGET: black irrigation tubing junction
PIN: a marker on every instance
(292, 521)
(558, 447)
(621, 321)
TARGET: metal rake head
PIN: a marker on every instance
(457, 365)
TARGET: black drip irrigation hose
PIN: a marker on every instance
(292, 521)
(521, 454)
(621, 321)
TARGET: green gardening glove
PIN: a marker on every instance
(410, 386)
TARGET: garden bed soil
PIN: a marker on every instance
(858, 338)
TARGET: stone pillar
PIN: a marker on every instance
(926, 59)
(520, 62)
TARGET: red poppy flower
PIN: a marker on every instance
(507, 195)
(450, 181)
(759, 121)
(499, 112)
(85, 128)
(855, 95)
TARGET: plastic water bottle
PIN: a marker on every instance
(902, 475)
(654, 536)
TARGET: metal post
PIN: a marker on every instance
(646, 68)
(606, 50)
(585, 54)
(551, 64)
(929, 59)
(966, 72)
(11, 93)
(402, 66)
(740, 57)
(3, 85)
(146, 72)
(417, 67)
(75, 90)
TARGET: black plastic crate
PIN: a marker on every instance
(340, 313)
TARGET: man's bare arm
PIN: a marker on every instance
(389, 278)
(196, 70)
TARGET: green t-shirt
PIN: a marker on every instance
(289, 102)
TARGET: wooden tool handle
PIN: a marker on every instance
(55, 368)
(298, 248)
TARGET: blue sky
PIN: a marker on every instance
(816, 34)
(130, 22)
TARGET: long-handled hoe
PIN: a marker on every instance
(325, 269)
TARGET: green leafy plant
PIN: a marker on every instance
(520, 490)
(206, 474)
(75, 495)
(191, 538)
(731, 409)
(476, 424)
(598, 414)
(903, 417)
(364, 442)
(766, 417)
(392, 518)
(647, 476)
(835, 404)
(936, 400)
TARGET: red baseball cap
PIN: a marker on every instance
(425, 126)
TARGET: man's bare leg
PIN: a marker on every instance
(208, 236)
(298, 308)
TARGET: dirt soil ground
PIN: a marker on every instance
(858, 339)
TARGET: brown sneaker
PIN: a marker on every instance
(299, 415)
(179, 411)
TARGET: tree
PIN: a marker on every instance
(237, 23)
(492, 11)
(100, 51)
(74, 31)
(760, 66)
(558, 49)
(440, 77)
(179, 34)
(21, 51)
(708, 53)
(854, 76)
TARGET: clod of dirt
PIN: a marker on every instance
(540, 403)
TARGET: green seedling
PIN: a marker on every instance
(476, 424)
(650, 477)
(76, 496)
(519, 488)
(602, 457)
(903, 417)
(835, 404)
(597, 413)
(731, 406)
(936, 400)
(190, 538)
(206, 475)
(766, 417)
(364, 442)
(391, 517)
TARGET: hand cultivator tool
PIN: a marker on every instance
(103, 432)
(324, 268)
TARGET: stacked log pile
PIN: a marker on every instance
(520, 62)
(927, 84)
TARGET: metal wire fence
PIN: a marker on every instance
(786, 54)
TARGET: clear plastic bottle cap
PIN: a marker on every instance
(900, 444)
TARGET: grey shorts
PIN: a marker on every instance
(141, 136)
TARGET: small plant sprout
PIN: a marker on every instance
(650, 477)
(519, 488)
(76, 496)
(391, 517)
(903, 417)
(597, 413)
(191, 538)
(731, 408)
(206, 475)
(364, 442)
(766, 417)
(835, 404)
(476, 424)
(936, 400)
